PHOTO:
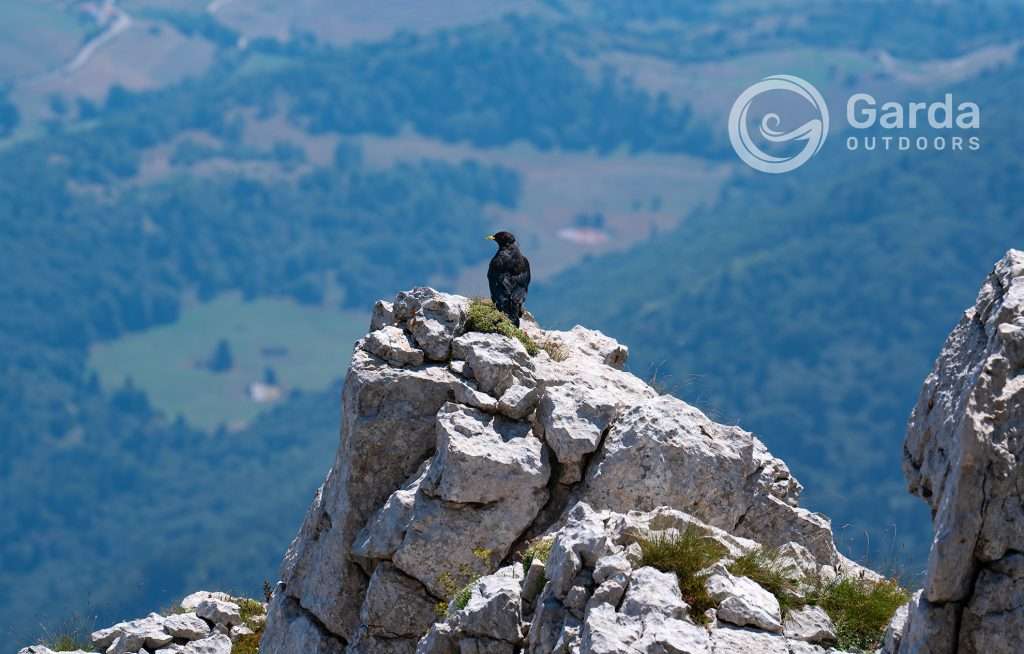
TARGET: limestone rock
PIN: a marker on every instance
(215, 644)
(734, 640)
(290, 628)
(133, 635)
(608, 632)
(811, 624)
(465, 392)
(518, 401)
(388, 431)
(651, 591)
(534, 581)
(439, 640)
(894, 630)
(192, 600)
(742, 602)
(473, 538)
(497, 362)
(396, 605)
(993, 620)
(383, 315)
(964, 456)
(219, 612)
(433, 318)
(186, 625)
(239, 631)
(583, 342)
(394, 346)
(673, 637)
(384, 532)
(483, 459)
(700, 467)
(494, 610)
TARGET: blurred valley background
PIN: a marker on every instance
(199, 202)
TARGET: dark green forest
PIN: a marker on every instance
(809, 307)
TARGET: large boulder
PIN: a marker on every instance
(963, 456)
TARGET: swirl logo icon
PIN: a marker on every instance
(812, 132)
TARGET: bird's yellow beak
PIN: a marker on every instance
(490, 237)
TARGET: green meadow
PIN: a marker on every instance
(306, 346)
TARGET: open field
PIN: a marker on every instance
(306, 346)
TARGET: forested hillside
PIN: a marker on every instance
(809, 307)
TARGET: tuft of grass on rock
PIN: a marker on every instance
(555, 350)
(461, 598)
(688, 555)
(484, 317)
(73, 634)
(860, 608)
(251, 611)
(69, 643)
(247, 644)
(454, 590)
(763, 566)
(538, 550)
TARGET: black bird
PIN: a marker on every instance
(509, 277)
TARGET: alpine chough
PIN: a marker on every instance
(508, 276)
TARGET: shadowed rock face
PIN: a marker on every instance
(456, 448)
(963, 455)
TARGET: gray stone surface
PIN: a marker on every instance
(220, 612)
(494, 610)
(186, 625)
(497, 362)
(811, 624)
(396, 605)
(482, 458)
(742, 602)
(394, 346)
(963, 455)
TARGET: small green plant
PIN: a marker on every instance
(688, 555)
(483, 554)
(461, 598)
(860, 608)
(70, 643)
(763, 566)
(72, 635)
(249, 644)
(251, 612)
(454, 590)
(484, 317)
(538, 550)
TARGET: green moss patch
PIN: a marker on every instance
(484, 317)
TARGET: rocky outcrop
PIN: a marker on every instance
(600, 598)
(458, 448)
(963, 456)
(204, 623)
